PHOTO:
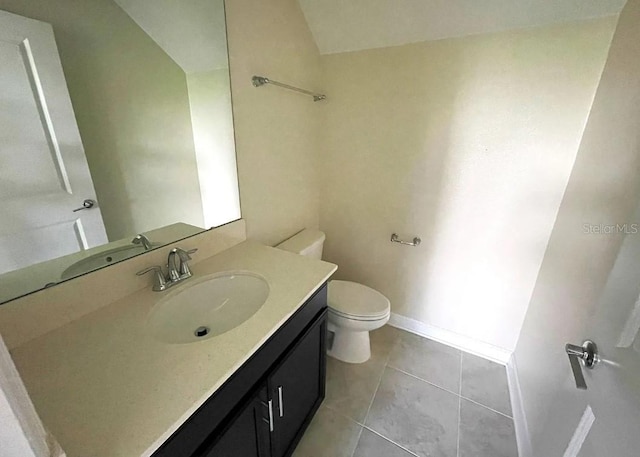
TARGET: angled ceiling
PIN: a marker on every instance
(191, 32)
(351, 25)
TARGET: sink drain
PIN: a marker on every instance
(201, 331)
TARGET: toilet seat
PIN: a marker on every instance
(355, 301)
(359, 318)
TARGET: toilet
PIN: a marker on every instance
(354, 309)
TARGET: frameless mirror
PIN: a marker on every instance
(116, 133)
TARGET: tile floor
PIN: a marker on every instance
(415, 397)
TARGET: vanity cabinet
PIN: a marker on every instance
(267, 404)
(297, 388)
(248, 434)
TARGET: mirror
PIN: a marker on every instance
(116, 133)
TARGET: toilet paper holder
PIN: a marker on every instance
(395, 239)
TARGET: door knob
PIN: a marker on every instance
(88, 203)
(586, 355)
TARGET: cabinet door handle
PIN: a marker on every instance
(280, 401)
(270, 406)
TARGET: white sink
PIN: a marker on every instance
(205, 307)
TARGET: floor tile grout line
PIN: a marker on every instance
(350, 419)
(486, 407)
(389, 440)
(363, 426)
(393, 348)
(460, 379)
(384, 365)
(341, 414)
(355, 448)
(375, 392)
(423, 380)
(449, 391)
(373, 397)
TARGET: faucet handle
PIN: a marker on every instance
(159, 283)
(185, 255)
(184, 258)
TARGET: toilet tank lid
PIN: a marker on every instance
(303, 240)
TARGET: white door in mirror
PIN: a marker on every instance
(44, 174)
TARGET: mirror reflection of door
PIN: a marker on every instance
(148, 88)
(44, 174)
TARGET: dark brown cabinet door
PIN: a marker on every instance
(248, 434)
(296, 388)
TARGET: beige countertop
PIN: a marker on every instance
(105, 388)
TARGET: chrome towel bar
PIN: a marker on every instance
(416, 241)
(258, 81)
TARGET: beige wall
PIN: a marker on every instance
(467, 143)
(604, 188)
(276, 130)
(132, 108)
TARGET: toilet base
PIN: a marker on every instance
(349, 346)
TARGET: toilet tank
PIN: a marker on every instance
(307, 242)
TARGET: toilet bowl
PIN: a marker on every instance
(354, 309)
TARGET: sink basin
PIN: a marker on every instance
(206, 307)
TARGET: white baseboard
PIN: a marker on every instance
(464, 343)
(517, 405)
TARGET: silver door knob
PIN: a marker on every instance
(88, 203)
(586, 355)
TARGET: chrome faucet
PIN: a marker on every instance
(178, 265)
(143, 240)
(177, 270)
